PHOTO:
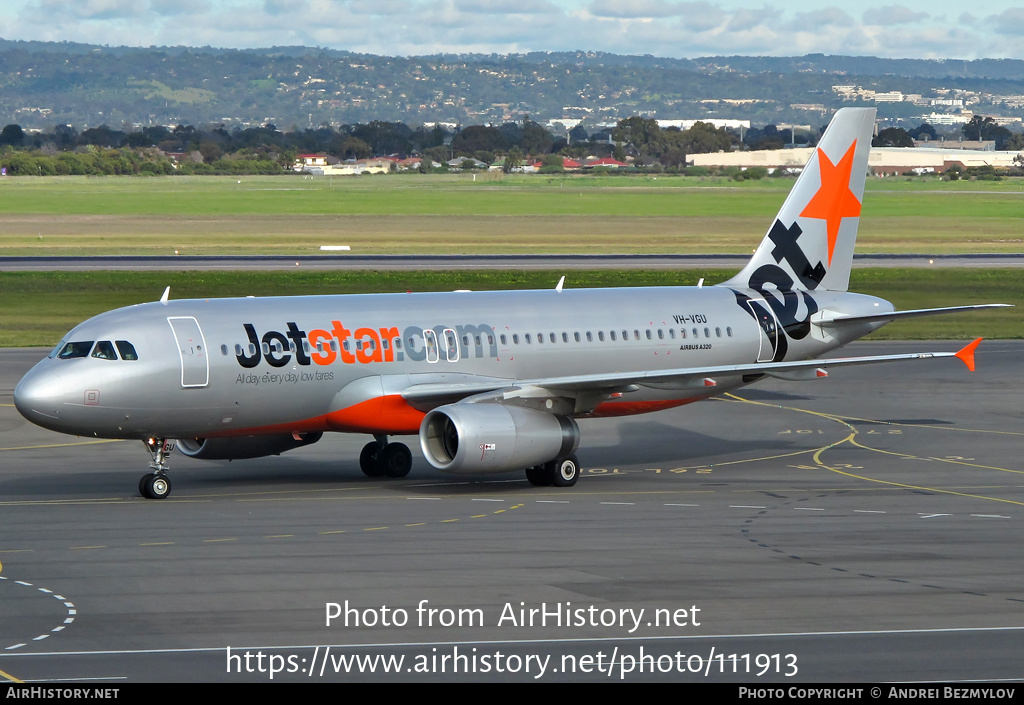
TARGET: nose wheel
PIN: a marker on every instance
(153, 486)
(156, 485)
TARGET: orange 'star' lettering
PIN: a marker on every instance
(342, 333)
(389, 334)
(369, 351)
(321, 358)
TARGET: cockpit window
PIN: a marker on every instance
(75, 349)
(127, 350)
(104, 350)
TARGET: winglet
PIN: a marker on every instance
(967, 353)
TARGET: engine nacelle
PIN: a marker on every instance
(239, 447)
(482, 438)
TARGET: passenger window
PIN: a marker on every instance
(612, 334)
(126, 349)
(565, 337)
(104, 350)
(75, 349)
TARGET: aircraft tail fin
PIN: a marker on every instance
(810, 244)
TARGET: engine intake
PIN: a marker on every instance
(240, 447)
(484, 438)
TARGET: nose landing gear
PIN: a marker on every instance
(156, 485)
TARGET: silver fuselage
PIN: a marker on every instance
(243, 366)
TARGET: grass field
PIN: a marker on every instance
(37, 308)
(455, 214)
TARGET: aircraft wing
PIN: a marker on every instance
(599, 386)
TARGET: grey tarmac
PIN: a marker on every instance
(867, 525)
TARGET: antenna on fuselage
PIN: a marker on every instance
(558, 286)
(166, 295)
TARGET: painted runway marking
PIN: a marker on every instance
(71, 612)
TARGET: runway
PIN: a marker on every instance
(409, 262)
(862, 528)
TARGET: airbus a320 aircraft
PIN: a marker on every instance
(490, 381)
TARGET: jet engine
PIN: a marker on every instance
(239, 447)
(483, 438)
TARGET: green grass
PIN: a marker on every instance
(37, 308)
(457, 195)
(454, 214)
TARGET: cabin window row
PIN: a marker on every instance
(276, 347)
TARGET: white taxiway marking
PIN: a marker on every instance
(70, 606)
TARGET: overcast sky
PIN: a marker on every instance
(937, 29)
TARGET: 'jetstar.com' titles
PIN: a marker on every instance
(365, 345)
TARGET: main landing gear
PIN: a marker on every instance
(156, 485)
(560, 472)
(380, 458)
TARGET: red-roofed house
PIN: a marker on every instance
(606, 162)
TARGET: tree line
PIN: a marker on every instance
(215, 149)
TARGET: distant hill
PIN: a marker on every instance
(48, 83)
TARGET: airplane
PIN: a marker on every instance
(491, 382)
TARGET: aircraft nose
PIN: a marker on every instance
(39, 396)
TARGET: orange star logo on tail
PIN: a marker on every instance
(834, 199)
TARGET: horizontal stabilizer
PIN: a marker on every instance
(828, 318)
